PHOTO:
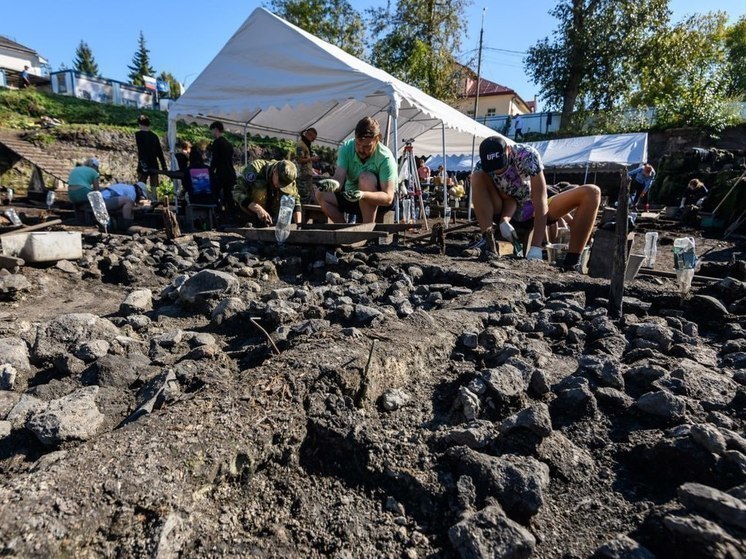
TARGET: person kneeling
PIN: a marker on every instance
(122, 196)
(260, 187)
(367, 170)
(515, 173)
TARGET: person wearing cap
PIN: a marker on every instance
(149, 155)
(82, 180)
(642, 180)
(123, 196)
(516, 172)
(368, 172)
(261, 185)
(306, 159)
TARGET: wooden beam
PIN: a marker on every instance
(30, 228)
(427, 236)
(312, 236)
(619, 257)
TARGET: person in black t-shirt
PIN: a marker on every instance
(149, 155)
(222, 172)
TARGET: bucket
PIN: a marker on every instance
(556, 252)
(45, 246)
(634, 263)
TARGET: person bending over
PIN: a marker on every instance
(261, 185)
(641, 180)
(124, 196)
(517, 172)
(367, 170)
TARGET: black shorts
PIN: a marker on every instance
(345, 206)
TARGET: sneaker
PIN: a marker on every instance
(481, 243)
(573, 268)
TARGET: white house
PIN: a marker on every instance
(14, 56)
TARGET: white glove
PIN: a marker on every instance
(507, 231)
(535, 253)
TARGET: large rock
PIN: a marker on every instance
(517, 482)
(118, 371)
(535, 418)
(12, 284)
(506, 381)
(663, 405)
(60, 335)
(207, 285)
(73, 417)
(137, 302)
(8, 375)
(227, 309)
(15, 352)
(489, 534)
(727, 508)
(23, 409)
(622, 547)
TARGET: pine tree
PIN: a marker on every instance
(140, 63)
(84, 61)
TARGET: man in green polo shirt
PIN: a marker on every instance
(367, 169)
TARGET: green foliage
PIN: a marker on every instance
(84, 61)
(334, 21)
(735, 43)
(165, 188)
(418, 42)
(588, 62)
(173, 83)
(140, 63)
(684, 75)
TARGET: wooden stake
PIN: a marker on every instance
(619, 261)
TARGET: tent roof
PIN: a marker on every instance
(595, 152)
(272, 78)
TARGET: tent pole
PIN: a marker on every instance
(476, 108)
(245, 144)
(171, 136)
(445, 169)
(585, 178)
(393, 146)
(388, 131)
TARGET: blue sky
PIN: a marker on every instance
(183, 36)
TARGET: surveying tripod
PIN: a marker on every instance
(408, 172)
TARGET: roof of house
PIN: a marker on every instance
(11, 44)
(486, 87)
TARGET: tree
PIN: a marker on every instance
(84, 61)
(588, 62)
(419, 41)
(735, 43)
(173, 84)
(140, 63)
(334, 21)
(684, 73)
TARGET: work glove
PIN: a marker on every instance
(535, 253)
(352, 194)
(328, 185)
(508, 232)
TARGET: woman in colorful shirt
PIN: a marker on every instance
(515, 173)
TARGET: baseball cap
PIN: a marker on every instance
(93, 162)
(286, 173)
(492, 153)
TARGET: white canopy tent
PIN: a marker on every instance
(453, 162)
(600, 153)
(272, 78)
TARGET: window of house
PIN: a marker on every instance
(61, 83)
(470, 113)
(490, 112)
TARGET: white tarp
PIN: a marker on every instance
(272, 78)
(594, 152)
(453, 162)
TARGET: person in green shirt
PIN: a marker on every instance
(261, 185)
(368, 172)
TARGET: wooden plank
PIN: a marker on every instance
(426, 236)
(672, 275)
(10, 262)
(385, 227)
(312, 237)
(30, 228)
(619, 257)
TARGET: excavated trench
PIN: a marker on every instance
(420, 406)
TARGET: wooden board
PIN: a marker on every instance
(313, 236)
(381, 227)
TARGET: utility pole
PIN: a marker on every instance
(476, 108)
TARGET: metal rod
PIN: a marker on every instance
(476, 108)
(445, 171)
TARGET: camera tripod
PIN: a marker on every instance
(408, 172)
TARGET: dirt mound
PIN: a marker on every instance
(407, 405)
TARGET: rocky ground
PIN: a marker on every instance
(407, 405)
